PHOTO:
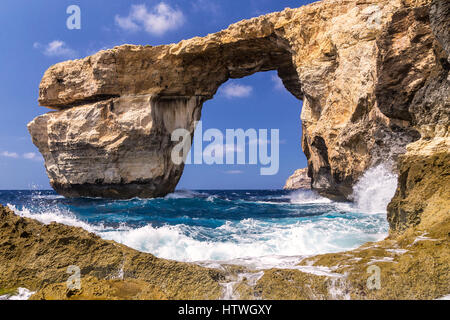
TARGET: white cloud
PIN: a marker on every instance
(56, 48)
(8, 154)
(33, 156)
(28, 156)
(234, 172)
(277, 82)
(126, 23)
(158, 20)
(258, 141)
(231, 148)
(234, 90)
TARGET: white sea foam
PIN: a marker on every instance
(211, 198)
(21, 294)
(375, 189)
(297, 197)
(184, 194)
(422, 237)
(38, 196)
(258, 263)
(251, 241)
(229, 287)
(306, 197)
(397, 251)
(254, 242)
(47, 216)
(384, 259)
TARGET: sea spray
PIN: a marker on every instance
(49, 215)
(307, 196)
(375, 189)
(248, 238)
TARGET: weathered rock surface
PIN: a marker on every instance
(299, 180)
(356, 64)
(116, 148)
(412, 266)
(423, 194)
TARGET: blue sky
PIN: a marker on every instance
(34, 36)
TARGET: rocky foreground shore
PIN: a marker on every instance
(36, 256)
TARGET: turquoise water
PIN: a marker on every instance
(264, 226)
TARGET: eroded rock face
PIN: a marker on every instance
(356, 66)
(423, 194)
(299, 180)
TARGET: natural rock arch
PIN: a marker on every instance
(132, 158)
(116, 109)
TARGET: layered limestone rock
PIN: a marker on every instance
(360, 120)
(355, 64)
(299, 180)
(115, 148)
(422, 199)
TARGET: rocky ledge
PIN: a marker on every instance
(36, 256)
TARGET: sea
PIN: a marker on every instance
(256, 228)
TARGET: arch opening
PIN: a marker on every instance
(255, 104)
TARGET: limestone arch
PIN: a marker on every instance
(109, 136)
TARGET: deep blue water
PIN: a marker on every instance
(213, 225)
